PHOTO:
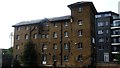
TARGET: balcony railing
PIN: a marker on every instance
(115, 52)
(115, 35)
(115, 27)
(115, 44)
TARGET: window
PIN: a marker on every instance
(26, 36)
(114, 48)
(42, 36)
(26, 27)
(46, 35)
(101, 40)
(44, 57)
(54, 46)
(17, 47)
(98, 16)
(17, 57)
(100, 24)
(107, 23)
(66, 34)
(107, 31)
(107, 39)
(79, 22)
(100, 31)
(35, 36)
(106, 57)
(17, 37)
(55, 35)
(65, 58)
(119, 39)
(93, 40)
(80, 32)
(65, 45)
(45, 24)
(106, 15)
(66, 23)
(71, 20)
(80, 46)
(36, 27)
(101, 47)
(54, 58)
(107, 47)
(80, 9)
(18, 28)
(79, 58)
(55, 24)
(44, 46)
(114, 40)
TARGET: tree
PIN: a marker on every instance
(118, 57)
(16, 64)
(29, 56)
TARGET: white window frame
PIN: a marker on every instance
(80, 32)
(80, 22)
(66, 46)
(66, 23)
(55, 35)
(80, 9)
(66, 34)
(26, 36)
(65, 58)
(17, 47)
(54, 46)
(17, 37)
(35, 36)
(79, 46)
(44, 46)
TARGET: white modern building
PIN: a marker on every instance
(0, 58)
(119, 7)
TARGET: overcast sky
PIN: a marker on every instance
(15, 11)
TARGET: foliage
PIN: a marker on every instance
(16, 64)
(29, 56)
(118, 57)
(10, 50)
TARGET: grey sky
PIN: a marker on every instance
(14, 11)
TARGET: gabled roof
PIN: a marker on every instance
(41, 20)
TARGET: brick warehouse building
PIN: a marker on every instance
(67, 40)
